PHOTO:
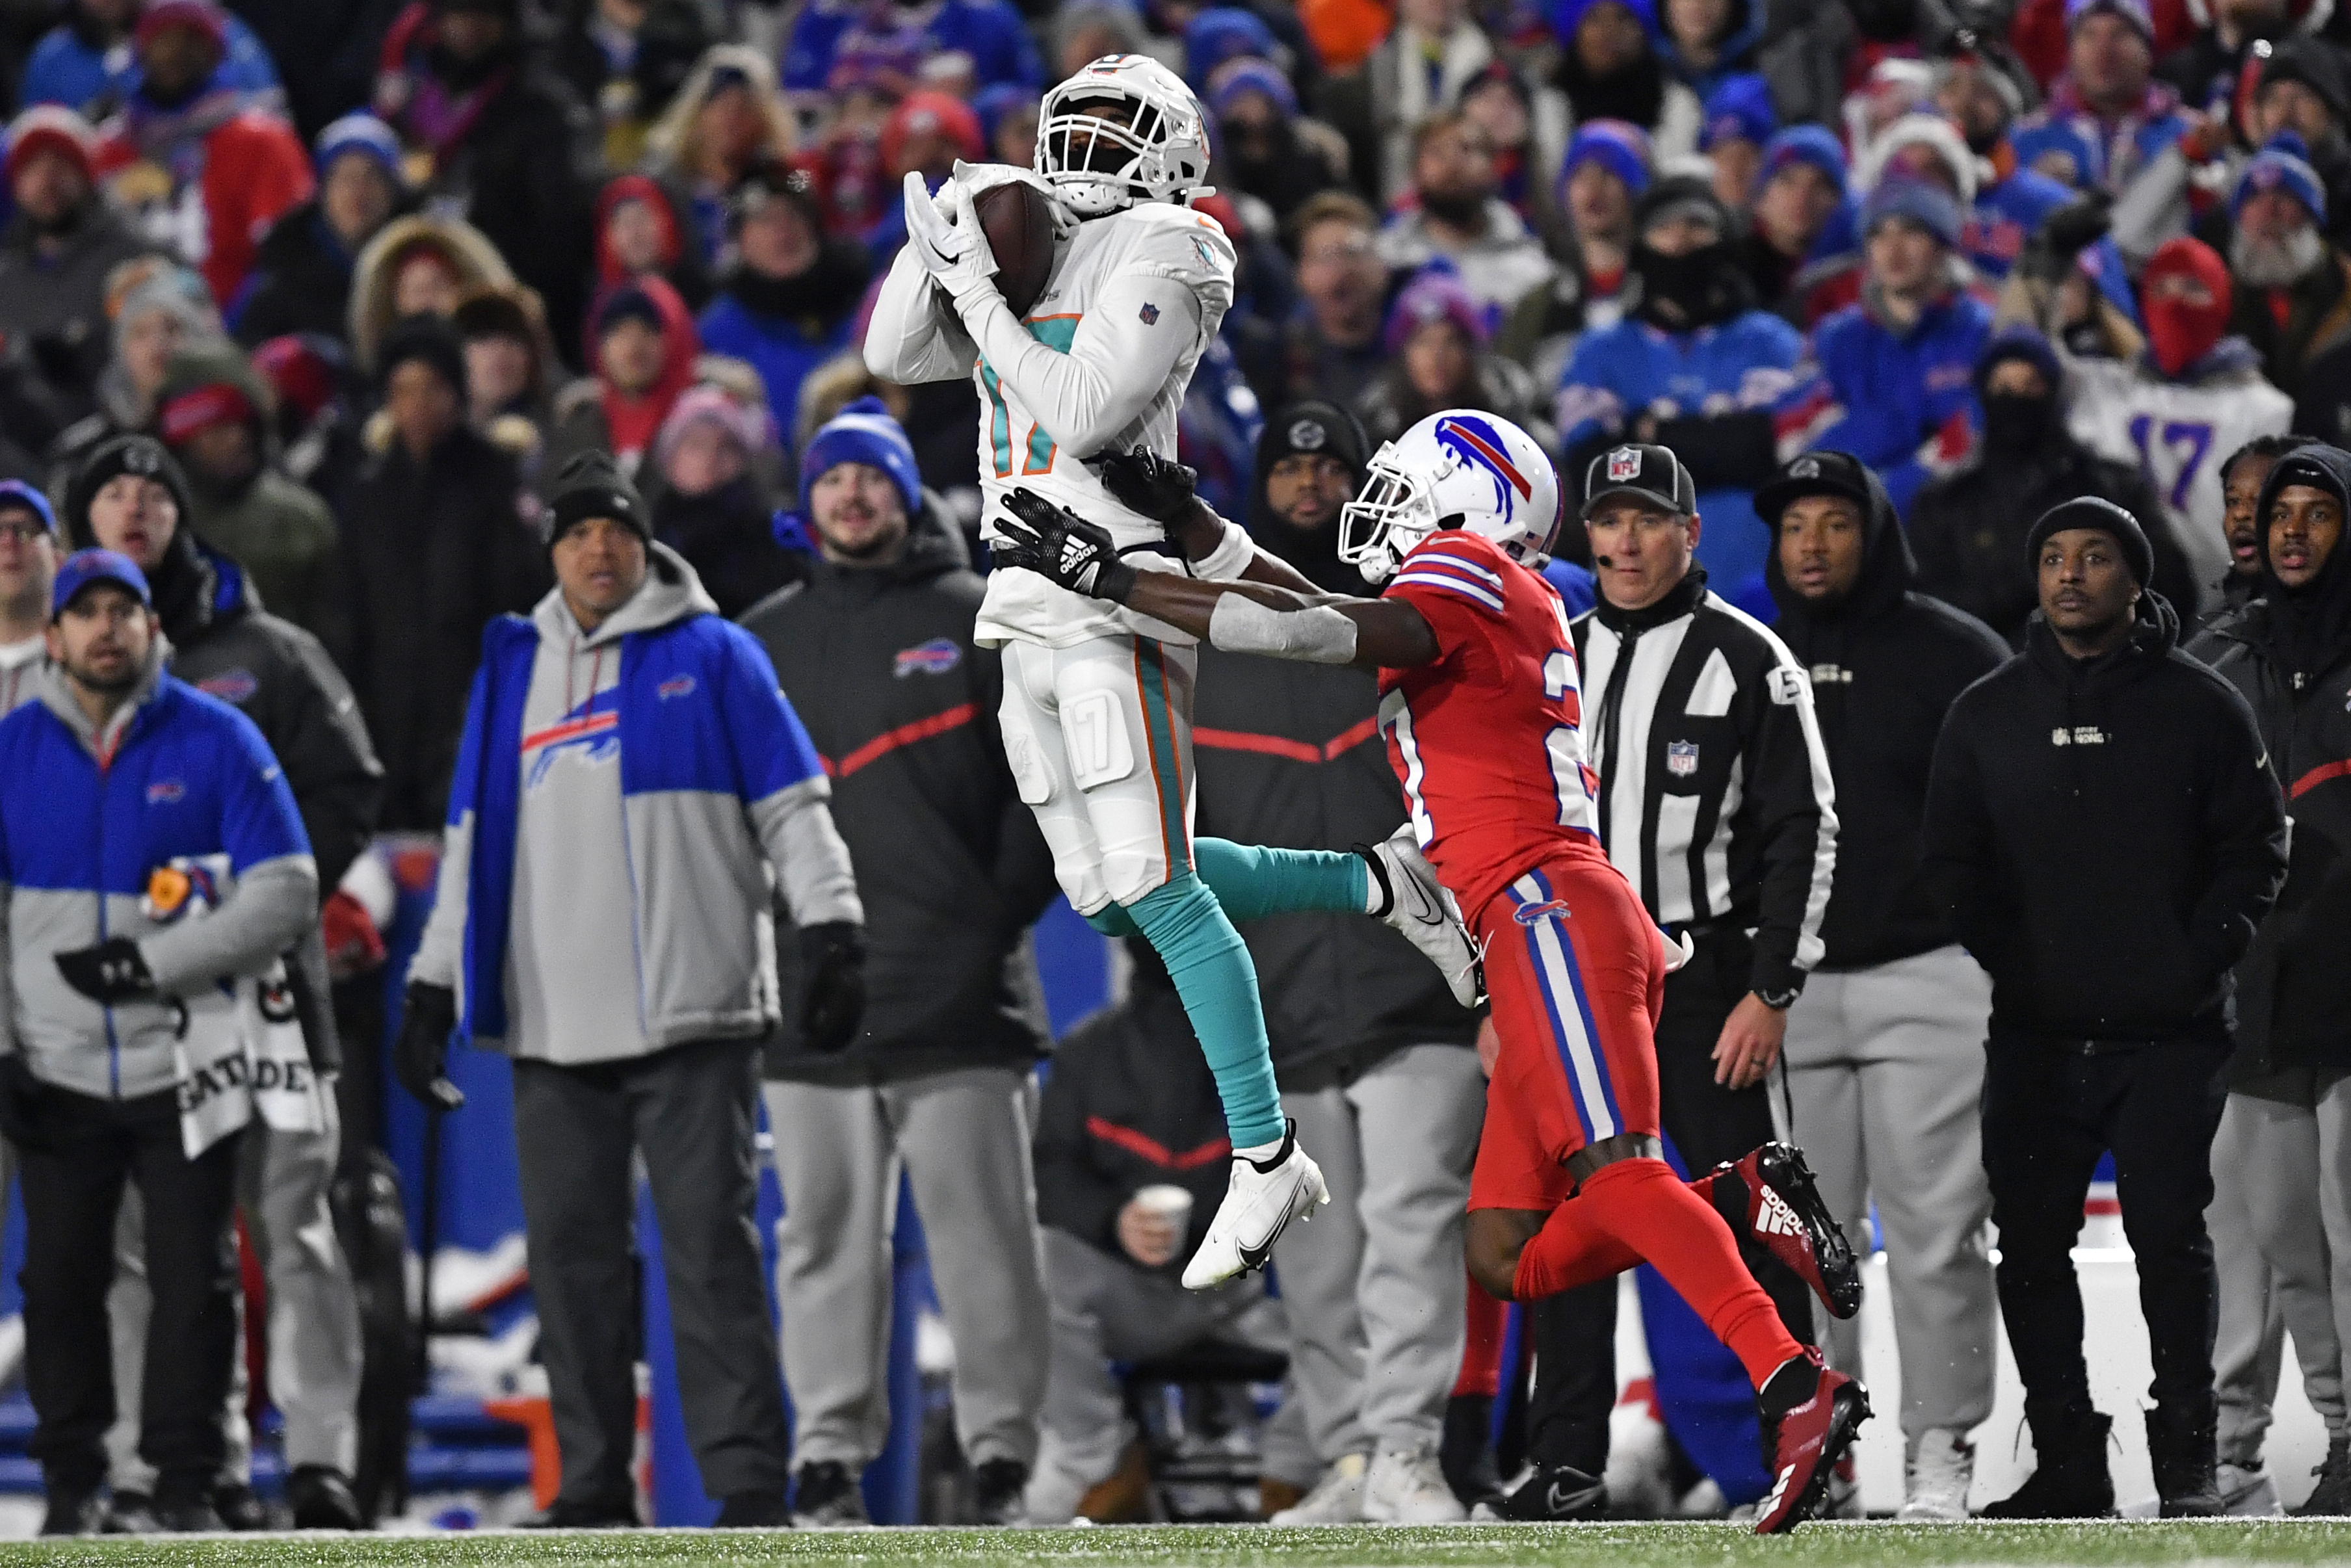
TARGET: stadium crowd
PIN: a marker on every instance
(447, 384)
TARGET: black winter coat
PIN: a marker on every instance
(1967, 528)
(1887, 663)
(301, 280)
(2105, 838)
(725, 537)
(880, 666)
(1291, 754)
(1130, 1103)
(2290, 655)
(428, 554)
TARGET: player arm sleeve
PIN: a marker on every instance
(912, 336)
(1123, 352)
(1795, 805)
(2244, 823)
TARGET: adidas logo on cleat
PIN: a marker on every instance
(1779, 1490)
(1777, 1218)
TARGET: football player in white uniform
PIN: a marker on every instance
(1079, 403)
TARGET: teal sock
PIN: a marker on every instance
(1211, 965)
(1113, 922)
(1253, 881)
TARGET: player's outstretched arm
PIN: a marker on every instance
(1160, 488)
(1237, 617)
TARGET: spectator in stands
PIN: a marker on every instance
(154, 318)
(1967, 528)
(609, 934)
(1886, 1045)
(1895, 387)
(626, 59)
(1800, 250)
(1335, 347)
(2305, 89)
(1529, 128)
(510, 366)
(1738, 124)
(1008, 119)
(28, 570)
(434, 544)
(215, 412)
(876, 650)
(302, 273)
(210, 165)
(928, 134)
(2288, 654)
(1374, 1056)
(1435, 52)
(1457, 213)
(1695, 367)
(2243, 474)
(87, 63)
(2109, 1021)
(643, 345)
(1610, 66)
(983, 42)
(710, 505)
(1606, 170)
(61, 242)
(316, 427)
(1707, 42)
(2292, 293)
(1812, 55)
(97, 1024)
(1437, 357)
(510, 149)
(132, 498)
(1269, 151)
(728, 120)
(1130, 1111)
(2206, 69)
(786, 305)
(2193, 392)
(645, 229)
(2107, 119)
(416, 266)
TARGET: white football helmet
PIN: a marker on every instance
(1463, 469)
(1166, 147)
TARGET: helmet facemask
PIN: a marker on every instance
(1098, 164)
(1397, 510)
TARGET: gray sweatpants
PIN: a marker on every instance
(1108, 1309)
(314, 1318)
(2270, 1250)
(962, 1138)
(690, 1112)
(1885, 1077)
(1374, 1283)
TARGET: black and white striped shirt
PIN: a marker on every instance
(1716, 800)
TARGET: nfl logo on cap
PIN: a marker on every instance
(1624, 462)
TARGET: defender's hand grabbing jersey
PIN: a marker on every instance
(1103, 362)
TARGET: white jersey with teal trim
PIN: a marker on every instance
(1101, 363)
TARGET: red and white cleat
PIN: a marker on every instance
(1807, 1432)
(1770, 1198)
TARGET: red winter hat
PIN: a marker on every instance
(2179, 334)
(201, 16)
(199, 409)
(934, 114)
(47, 125)
(296, 368)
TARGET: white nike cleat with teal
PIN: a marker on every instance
(1260, 1200)
(1409, 898)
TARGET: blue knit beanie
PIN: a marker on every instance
(1813, 144)
(2281, 164)
(1740, 109)
(862, 432)
(1928, 205)
(1616, 145)
(362, 133)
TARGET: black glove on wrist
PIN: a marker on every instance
(420, 1060)
(2065, 234)
(1158, 487)
(110, 974)
(832, 955)
(20, 1103)
(1056, 543)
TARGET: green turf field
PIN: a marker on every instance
(1503, 1546)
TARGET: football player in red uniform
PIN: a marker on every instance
(1483, 715)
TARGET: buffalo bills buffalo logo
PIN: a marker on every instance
(675, 686)
(231, 687)
(1476, 443)
(1536, 913)
(166, 792)
(936, 657)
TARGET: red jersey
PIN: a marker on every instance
(1488, 739)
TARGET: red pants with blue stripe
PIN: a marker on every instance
(1576, 971)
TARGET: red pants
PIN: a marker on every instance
(1576, 972)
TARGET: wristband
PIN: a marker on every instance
(1232, 556)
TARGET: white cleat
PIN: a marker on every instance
(1407, 1486)
(1419, 906)
(1337, 1498)
(1936, 1482)
(1260, 1200)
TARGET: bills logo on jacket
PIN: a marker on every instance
(675, 686)
(235, 686)
(936, 657)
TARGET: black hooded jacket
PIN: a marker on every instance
(880, 664)
(2105, 838)
(2290, 655)
(1886, 662)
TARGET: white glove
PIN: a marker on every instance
(955, 253)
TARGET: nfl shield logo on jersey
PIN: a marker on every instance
(1681, 759)
(1624, 462)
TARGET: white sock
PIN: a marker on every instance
(1260, 1153)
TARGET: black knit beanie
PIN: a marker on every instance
(2091, 512)
(592, 485)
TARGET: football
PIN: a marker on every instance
(1018, 220)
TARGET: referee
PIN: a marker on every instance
(1717, 805)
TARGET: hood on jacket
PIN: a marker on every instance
(1888, 569)
(669, 145)
(469, 253)
(2154, 631)
(2309, 629)
(681, 258)
(54, 693)
(198, 589)
(672, 592)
